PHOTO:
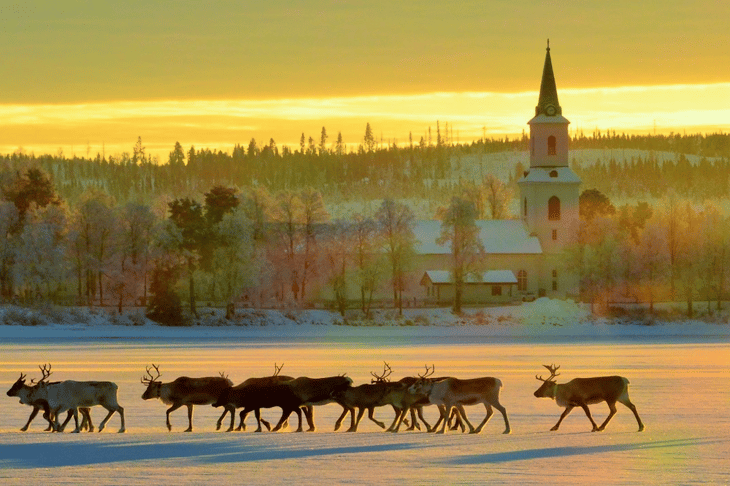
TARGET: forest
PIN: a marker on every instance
(264, 225)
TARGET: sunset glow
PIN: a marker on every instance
(113, 127)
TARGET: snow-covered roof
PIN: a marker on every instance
(542, 174)
(488, 277)
(498, 236)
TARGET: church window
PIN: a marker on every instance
(555, 274)
(551, 145)
(554, 209)
(524, 210)
(522, 281)
(555, 235)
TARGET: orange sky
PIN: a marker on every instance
(88, 78)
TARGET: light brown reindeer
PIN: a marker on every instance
(185, 391)
(581, 392)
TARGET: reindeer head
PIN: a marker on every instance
(152, 383)
(424, 383)
(17, 386)
(547, 389)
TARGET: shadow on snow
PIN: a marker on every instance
(50, 455)
(555, 452)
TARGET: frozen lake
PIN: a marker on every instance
(680, 388)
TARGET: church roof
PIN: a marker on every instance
(543, 174)
(498, 236)
(548, 90)
(488, 277)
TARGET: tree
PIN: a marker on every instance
(187, 217)
(164, 305)
(458, 227)
(323, 142)
(177, 156)
(368, 267)
(139, 149)
(8, 246)
(136, 222)
(395, 225)
(314, 214)
(592, 203)
(497, 196)
(94, 230)
(369, 139)
(232, 257)
(33, 187)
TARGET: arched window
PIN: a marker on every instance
(524, 208)
(551, 145)
(554, 208)
(521, 281)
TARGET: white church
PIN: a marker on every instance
(524, 258)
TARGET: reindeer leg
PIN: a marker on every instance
(490, 412)
(242, 424)
(627, 402)
(588, 414)
(170, 410)
(371, 411)
(419, 410)
(68, 419)
(309, 414)
(503, 411)
(342, 416)
(445, 412)
(220, 419)
(190, 418)
(562, 416)
(284, 416)
(30, 419)
(122, 428)
(611, 413)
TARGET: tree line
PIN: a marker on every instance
(374, 169)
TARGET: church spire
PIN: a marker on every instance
(548, 102)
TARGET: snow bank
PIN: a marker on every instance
(543, 318)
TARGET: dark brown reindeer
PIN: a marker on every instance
(581, 392)
(276, 378)
(186, 391)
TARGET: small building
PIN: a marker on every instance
(490, 287)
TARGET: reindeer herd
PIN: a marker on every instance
(406, 397)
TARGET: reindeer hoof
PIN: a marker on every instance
(553, 429)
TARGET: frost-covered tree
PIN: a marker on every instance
(395, 227)
(459, 230)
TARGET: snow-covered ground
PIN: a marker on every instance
(678, 373)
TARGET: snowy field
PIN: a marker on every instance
(678, 373)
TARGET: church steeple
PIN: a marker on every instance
(548, 101)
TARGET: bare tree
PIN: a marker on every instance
(498, 197)
(395, 225)
(458, 227)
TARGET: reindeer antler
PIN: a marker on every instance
(429, 372)
(147, 379)
(46, 371)
(223, 374)
(387, 371)
(277, 369)
(552, 369)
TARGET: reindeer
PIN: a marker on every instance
(267, 380)
(72, 395)
(23, 392)
(451, 393)
(581, 392)
(186, 391)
